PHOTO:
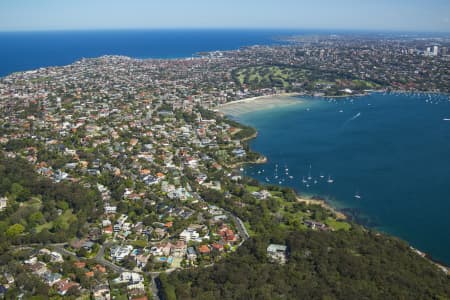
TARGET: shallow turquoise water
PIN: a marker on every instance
(389, 157)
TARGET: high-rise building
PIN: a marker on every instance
(444, 51)
(435, 50)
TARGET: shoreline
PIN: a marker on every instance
(252, 99)
(286, 99)
(242, 106)
(312, 201)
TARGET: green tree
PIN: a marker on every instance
(15, 230)
(36, 218)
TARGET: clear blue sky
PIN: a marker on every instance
(406, 15)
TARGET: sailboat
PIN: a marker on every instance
(330, 180)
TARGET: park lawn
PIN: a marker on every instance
(34, 204)
(47, 226)
(66, 218)
(251, 188)
(276, 194)
(337, 225)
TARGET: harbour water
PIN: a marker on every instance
(384, 159)
(387, 156)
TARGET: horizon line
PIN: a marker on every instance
(350, 30)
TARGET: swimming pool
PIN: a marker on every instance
(169, 260)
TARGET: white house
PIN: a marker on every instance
(119, 253)
(189, 234)
(277, 253)
(130, 277)
(3, 203)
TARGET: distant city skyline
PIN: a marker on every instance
(382, 15)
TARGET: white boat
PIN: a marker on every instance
(446, 119)
(357, 196)
(304, 180)
(330, 180)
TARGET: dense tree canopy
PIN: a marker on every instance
(40, 210)
(354, 264)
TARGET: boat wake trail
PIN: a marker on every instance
(352, 119)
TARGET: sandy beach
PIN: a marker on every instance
(325, 205)
(238, 107)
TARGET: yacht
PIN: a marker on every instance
(330, 180)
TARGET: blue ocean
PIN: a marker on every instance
(384, 159)
(22, 51)
(386, 155)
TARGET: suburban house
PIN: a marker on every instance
(277, 253)
(120, 252)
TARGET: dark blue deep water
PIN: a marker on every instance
(22, 51)
(395, 154)
(391, 151)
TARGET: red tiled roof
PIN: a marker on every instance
(79, 264)
(204, 249)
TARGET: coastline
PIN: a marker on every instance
(283, 100)
(251, 99)
(309, 201)
(268, 102)
(265, 102)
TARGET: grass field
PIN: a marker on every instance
(63, 221)
(270, 76)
